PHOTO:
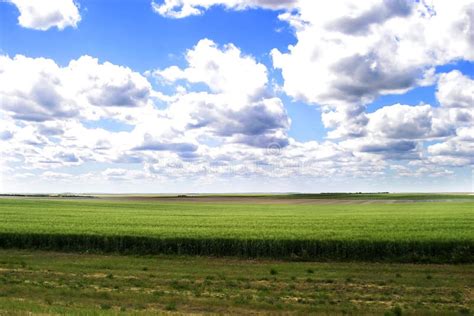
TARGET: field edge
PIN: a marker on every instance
(287, 249)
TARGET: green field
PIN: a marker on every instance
(83, 284)
(403, 232)
(351, 196)
(380, 196)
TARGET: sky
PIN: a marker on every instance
(236, 96)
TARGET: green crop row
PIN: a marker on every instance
(415, 251)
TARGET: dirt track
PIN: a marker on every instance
(252, 200)
(234, 199)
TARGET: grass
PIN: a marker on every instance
(427, 232)
(60, 283)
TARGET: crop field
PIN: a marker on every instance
(231, 254)
(440, 232)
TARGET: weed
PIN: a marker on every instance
(105, 306)
(171, 306)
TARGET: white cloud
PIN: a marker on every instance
(224, 120)
(258, 123)
(458, 150)
(345, 120)
(398, 131)
(347, 53)
(108, 84)
(44, 14)
(57, 176)
(237, 107)
(31, 89)
(46, 109)
(403, 122)
(421, 169)
(120, 174)
(184, 8)
(224, 70)
(372, 146)
(37, 89)
(352, 52)
(455, 90)
(455, 93)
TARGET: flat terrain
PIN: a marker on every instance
(422, 231)
(252, 254)
(52, 282)
(295, 198)
(408, 221)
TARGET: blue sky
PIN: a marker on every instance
(109, 30)
(330, 102)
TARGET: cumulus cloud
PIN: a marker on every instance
(44, 14)
(183, 149)
(398, 131)
(344, 120)
(30, 89)
(373, 146)
(360, 23)
(224, 119)
(237, 106)
(458, 150)
(455, 93)
(349, 53)
(185, 8)
(257, 123)
(37, 89)
(405, 122)
(223, 70)
(46, 110)
(107, 84)
(455, 90)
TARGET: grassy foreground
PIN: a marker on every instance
(406, 232)
(47, 282)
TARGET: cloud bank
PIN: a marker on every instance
(220, 114)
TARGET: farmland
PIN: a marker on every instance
(405, 232)
(234, 254)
